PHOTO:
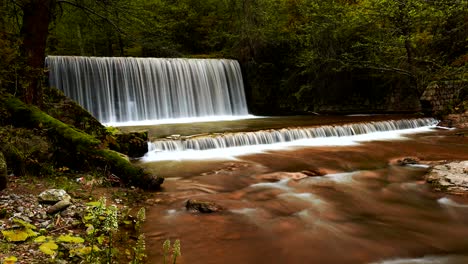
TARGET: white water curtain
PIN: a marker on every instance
(121, 89)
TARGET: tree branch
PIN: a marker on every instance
(91, 11)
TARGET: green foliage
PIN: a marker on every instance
(293, 53)
(104, 226)
(21, 233)
(70, 239)
(174, 253)
(26, 151)
(10, 260)
(49, 248)
(112, 130)
(16, 235)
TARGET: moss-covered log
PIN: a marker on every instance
(80, 147)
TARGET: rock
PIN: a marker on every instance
(202, 206)
(451, 177)
(59, 206)
(314, 172)
(53, 196)
(154, 182)
(405, 161)
(277, 176)
(455, 120)
(174, 137)
(133, 144)
(3, 172)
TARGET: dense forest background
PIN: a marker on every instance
(297, 56)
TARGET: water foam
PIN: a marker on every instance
(231, 145)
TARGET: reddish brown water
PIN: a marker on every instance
(371, 212)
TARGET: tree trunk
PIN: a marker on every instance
(37, 15)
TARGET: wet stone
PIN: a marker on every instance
(408, 161)
(202, 206)
(451, 177)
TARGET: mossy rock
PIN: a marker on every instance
(133, 144)
(77, 148)
(69, 112)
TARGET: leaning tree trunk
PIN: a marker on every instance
(37, 14)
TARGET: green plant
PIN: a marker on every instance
(112, 130)
(10, 260)
(101, 222)
(167, 250)
(21, 232)
(139, 249)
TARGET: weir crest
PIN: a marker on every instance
(274, 136)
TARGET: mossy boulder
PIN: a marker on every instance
(3, 172)
(133, 144)
(76, 149)
(69, 112)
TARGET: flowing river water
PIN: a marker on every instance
(365, 209)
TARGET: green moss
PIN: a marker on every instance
(127, 171)
(74, 147)
(32, 117)
(69, 112)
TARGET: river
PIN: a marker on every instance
(364, 209)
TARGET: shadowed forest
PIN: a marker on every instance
(297, 56)
(323, 155)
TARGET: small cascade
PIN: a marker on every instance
(265, 137)
(135, 89)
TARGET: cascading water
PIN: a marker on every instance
(286, 135)
(136, 89)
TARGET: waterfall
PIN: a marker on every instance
(135, 89)
(265, 137)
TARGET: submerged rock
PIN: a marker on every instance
(405, 161)
(202, 206)
(277, 176)
(451, 177)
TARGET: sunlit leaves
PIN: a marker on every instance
(49, 248)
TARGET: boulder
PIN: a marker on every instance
(202, 206)
(451, 177)
(53, 196)
(133, 144)
(3, 172)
